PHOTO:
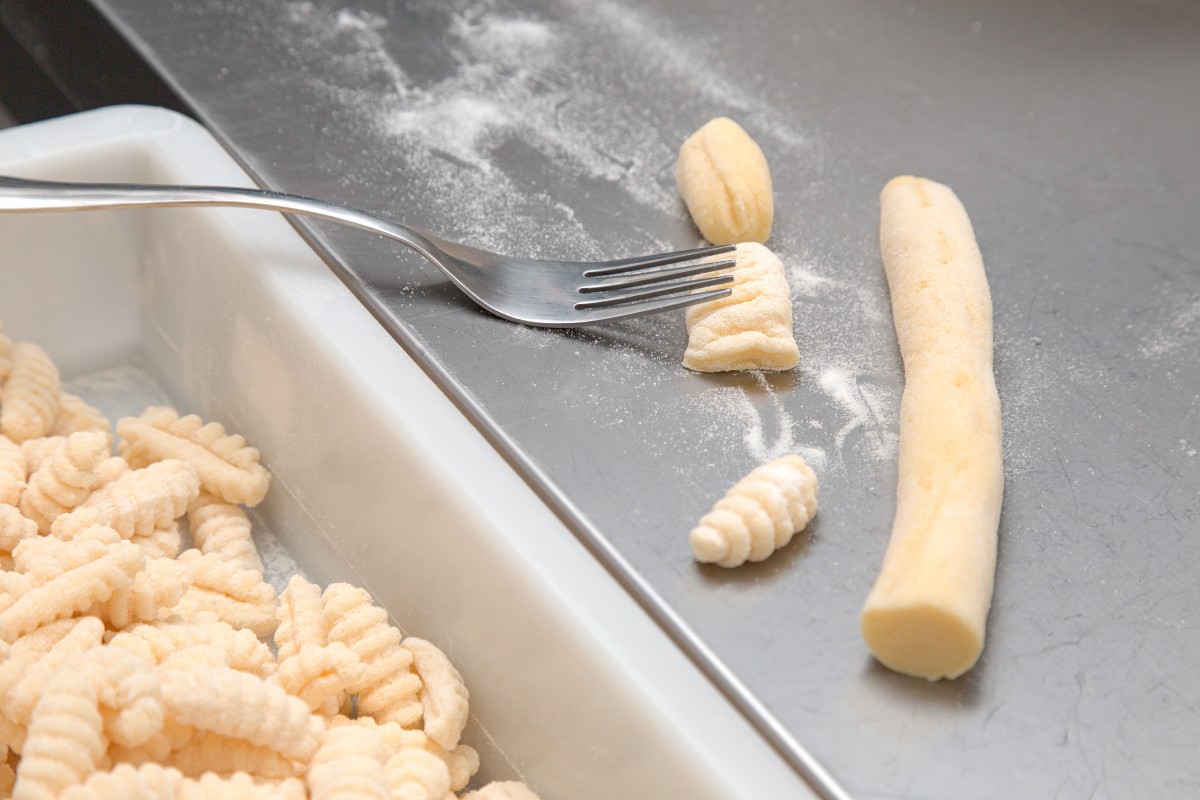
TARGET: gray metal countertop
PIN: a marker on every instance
(1069, 130)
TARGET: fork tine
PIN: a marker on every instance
(658, 276)
(621, 298)
(614, 313)
(645, 262)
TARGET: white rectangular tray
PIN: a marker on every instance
(378, 479)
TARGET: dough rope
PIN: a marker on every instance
(927, 613)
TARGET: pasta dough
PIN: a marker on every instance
(927, 612)
(726, 184)
(752, 327)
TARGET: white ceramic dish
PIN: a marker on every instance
(379, 479)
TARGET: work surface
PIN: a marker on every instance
(1068, 129)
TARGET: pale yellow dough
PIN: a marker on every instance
(724, 180)
(749, 329)
(927, 613)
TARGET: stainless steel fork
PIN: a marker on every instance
(548, 294)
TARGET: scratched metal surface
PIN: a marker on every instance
(1068, 128)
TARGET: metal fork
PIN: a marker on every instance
(548, 294)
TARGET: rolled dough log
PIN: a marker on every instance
(927, 612)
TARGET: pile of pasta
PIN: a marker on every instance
(131, 667)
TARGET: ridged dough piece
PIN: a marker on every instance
(758, 515)
(444, 695)
(227, 467)
(15, 527)
(29, 400)
(349, 766)
(320, 676)
(238, 596)
(110, 569)
(301, 618)
(12, 472)
(389, 690)
(502, 790)
(129, 693)
(66, 742)
(164, 542)
(724, 180)
(157, 587)
(44, 558)
(212, 752)
(64, 480)
(927, 613)
(155, 642)
(37, 451)
(239, 786)
(129, 782)
(242, 706)
(461, 763)
(752, 327)
(19, 701)
(413, 774)
(139, 502)
(75, 415)
(223, 528)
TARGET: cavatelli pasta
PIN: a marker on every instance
(64, 480)
(227, 467)
(29, 400)
(389, 690)
(758, 515)
(223, 528)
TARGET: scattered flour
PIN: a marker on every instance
(1177, 333)
(865, 405)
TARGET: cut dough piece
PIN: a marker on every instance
(752, 327)
(927, 613)
(724, 180)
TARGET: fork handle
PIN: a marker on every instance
(22, 195)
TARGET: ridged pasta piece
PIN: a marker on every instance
(228, 468)
(129, 692)
(37, 451)
(239, 786)
(724, 179)
(155, 642)
(129, 782)
(223, 528)
(208, 751)
(166, 542)
(242, 706)
(109, 470)
(389, 690)
(12, 472)
(444, 696)
(349, 766)
(758, 515)
(462, 762)
(43, 558)
(15, 527)
(5, 354)
(502, 790)
(416, 775)
(752, 327)
(8, 777)
(238, 596)
(320, 675)
(157, 587)
(75, 415)
(64, 480)
(139, 502)
(111, 569)
(301, 618)
(66, 742)
(29, 400)
(18, 703)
